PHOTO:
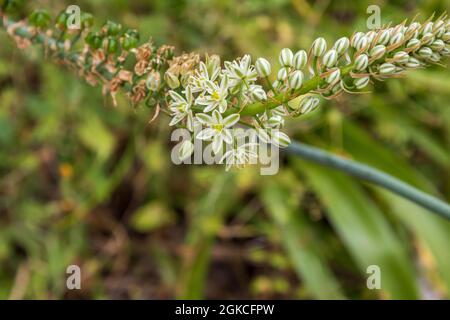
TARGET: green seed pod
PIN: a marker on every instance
(387, 69)
(129, 43)
(377, 52)
(384, 37)
(361, 62)
(413, 63)
(425, 52)
(263, 67)
(94, 40)
(401, 57)
(111, 28)
(428, 38)
(361, 83)
(296, 80)
(61, 20)
(286, 57)
(172, 80)
(319, 47)
(334, 76)
(40, 19)
(413, 44)
(341, 45)
(282, 74)
(330, 58)
(112, 45)
(87, 20)
(300, 59)
(133, 33)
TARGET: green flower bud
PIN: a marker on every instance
(413, 63)
(263, 67)
(361, 62)
(334, 77)
(341, 45)
(387, 69)
(428, 28)
(425, 52)
(94, 40)
(413, 44)
(446, 36)
(378, 52)
(435, 57)
(286, 57)
(319, 47)
(384, 37)
(280, 139)
(371, 36)
(401, 57)
(133, 33)
(445, 52)
(300, 59)
(362, 43)
(330, 58)
(438, 45)
(172, 80)
(259, 94)
(308, 104)
(356, 38)
(428, 38)
(361, 83)
(296, 80)
(397, 39)
(282, 74)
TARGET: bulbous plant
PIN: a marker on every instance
(217, 96)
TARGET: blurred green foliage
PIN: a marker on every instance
(82, 182)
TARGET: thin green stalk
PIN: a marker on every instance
(372, 175)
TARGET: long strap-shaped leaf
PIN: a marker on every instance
(373, 175)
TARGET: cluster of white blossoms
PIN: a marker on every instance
(216, 97)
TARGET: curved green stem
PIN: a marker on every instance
(372, 175)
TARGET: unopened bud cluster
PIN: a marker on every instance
(219, 96)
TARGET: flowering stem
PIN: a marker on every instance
(372, 175)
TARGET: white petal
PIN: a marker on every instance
(175, 120)
(217, 143)
(217, 117)
(186, 150)
(205, 134)
(205, 119)
(231, 120)
(227, 136)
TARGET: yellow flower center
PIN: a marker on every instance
(215, 96)
(217, 127)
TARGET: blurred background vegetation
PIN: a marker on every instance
(82, 182)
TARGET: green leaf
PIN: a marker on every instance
(363, 228)
(299, 244)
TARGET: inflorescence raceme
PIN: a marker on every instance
(218, 96)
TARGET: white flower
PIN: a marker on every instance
(217, 128)
(215, 96)
(180, 107)
(239, 156)
(202, 75)
(241, 71)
